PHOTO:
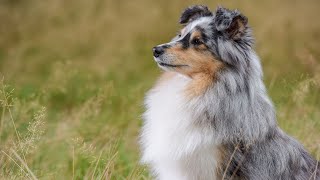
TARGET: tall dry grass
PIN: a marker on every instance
(79, 70)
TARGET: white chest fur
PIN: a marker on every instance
(172, 143)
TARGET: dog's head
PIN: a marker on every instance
(207, 42)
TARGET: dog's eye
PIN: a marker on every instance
(196, 41)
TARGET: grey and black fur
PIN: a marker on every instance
(237, 109)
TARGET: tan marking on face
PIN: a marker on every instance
(202, 47)
(195, 34)
(198, 35)
(201, 66)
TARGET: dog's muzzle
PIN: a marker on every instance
(159, 50)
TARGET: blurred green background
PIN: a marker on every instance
(75, 74)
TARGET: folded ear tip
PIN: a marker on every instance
(227, 14)
(245, 19)
(197, 7)
(230, 22)
(191, 12)
(182, 21)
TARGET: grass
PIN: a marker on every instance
(75, 73)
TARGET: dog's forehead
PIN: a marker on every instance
(203, 22)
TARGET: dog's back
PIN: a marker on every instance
(276, 157)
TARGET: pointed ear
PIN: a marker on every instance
(232, 23)
(194, 12)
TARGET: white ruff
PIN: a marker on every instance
(173, 144)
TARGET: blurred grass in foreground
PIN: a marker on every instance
(79, 70)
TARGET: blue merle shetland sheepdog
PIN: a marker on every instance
(209, 116)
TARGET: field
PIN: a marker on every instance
(73, 75)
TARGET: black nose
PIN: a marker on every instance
(157, 51)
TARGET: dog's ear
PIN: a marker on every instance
(231, 23)
(194, 12)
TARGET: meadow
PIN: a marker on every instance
(73, 75)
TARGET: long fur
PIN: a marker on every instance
(229, 131)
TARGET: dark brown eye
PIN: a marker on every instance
(196, 41)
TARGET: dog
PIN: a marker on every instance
(209, 116)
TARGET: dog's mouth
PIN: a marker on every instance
(171, 65)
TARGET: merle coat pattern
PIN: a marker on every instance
(233, 116)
